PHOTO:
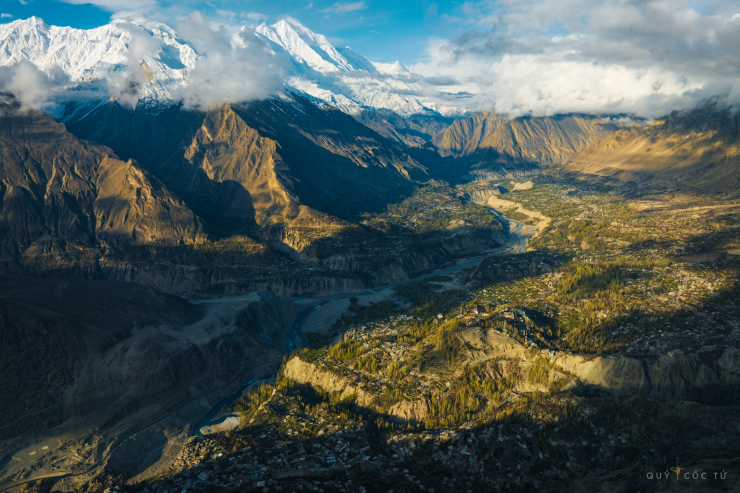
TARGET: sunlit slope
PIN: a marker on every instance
(698, 150)
(522, 139)
(57, 191)
(258, 162)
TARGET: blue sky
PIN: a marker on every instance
(646, 57)
(382, 30)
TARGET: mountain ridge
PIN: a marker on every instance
(697, 149)
(525, 139)
(147, 62)
(58, 191)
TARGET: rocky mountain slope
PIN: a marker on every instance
(59, 192)
(697, 150)
(492, 137)
(415, 131)
(260, 161)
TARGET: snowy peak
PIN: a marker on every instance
(121, 52)
(341, 77)
(137, 60)
(395, 69)
(305, 46)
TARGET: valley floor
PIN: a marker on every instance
(606, 352)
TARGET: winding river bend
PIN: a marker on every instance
(517, 245)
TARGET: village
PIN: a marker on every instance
(593, 283)
(536, 448)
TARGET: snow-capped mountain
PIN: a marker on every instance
(340, 76)
(147, 61)
(116, 54)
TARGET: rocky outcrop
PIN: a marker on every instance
(710, 376)
(308, 373)
(481, 196)
(411, 411)
(620, 375)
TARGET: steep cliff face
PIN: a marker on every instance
(59, 193)
(710, 376)
(308, 373)
(303, 372)
(466, 135)
(333, 163)
(256, 163)
(698, 150)
(231, 171)
(498, 138)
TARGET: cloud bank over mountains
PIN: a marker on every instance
(646, 57)
(200, 65)
(232, 67)
(539, 57)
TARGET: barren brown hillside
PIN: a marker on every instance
(697, 150)
(58, 191)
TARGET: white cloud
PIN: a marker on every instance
(28, 84)
(227, 14)
(124, 86)
(254, 16)
(6, 16)
(234, 66)
(552, 56)
(344, 7)
(117, 5)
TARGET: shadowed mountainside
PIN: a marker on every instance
(258, 163)
(415, 131)
(88, 362)
(60, 193)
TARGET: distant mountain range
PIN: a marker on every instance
(91, 58)
(339, 141)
